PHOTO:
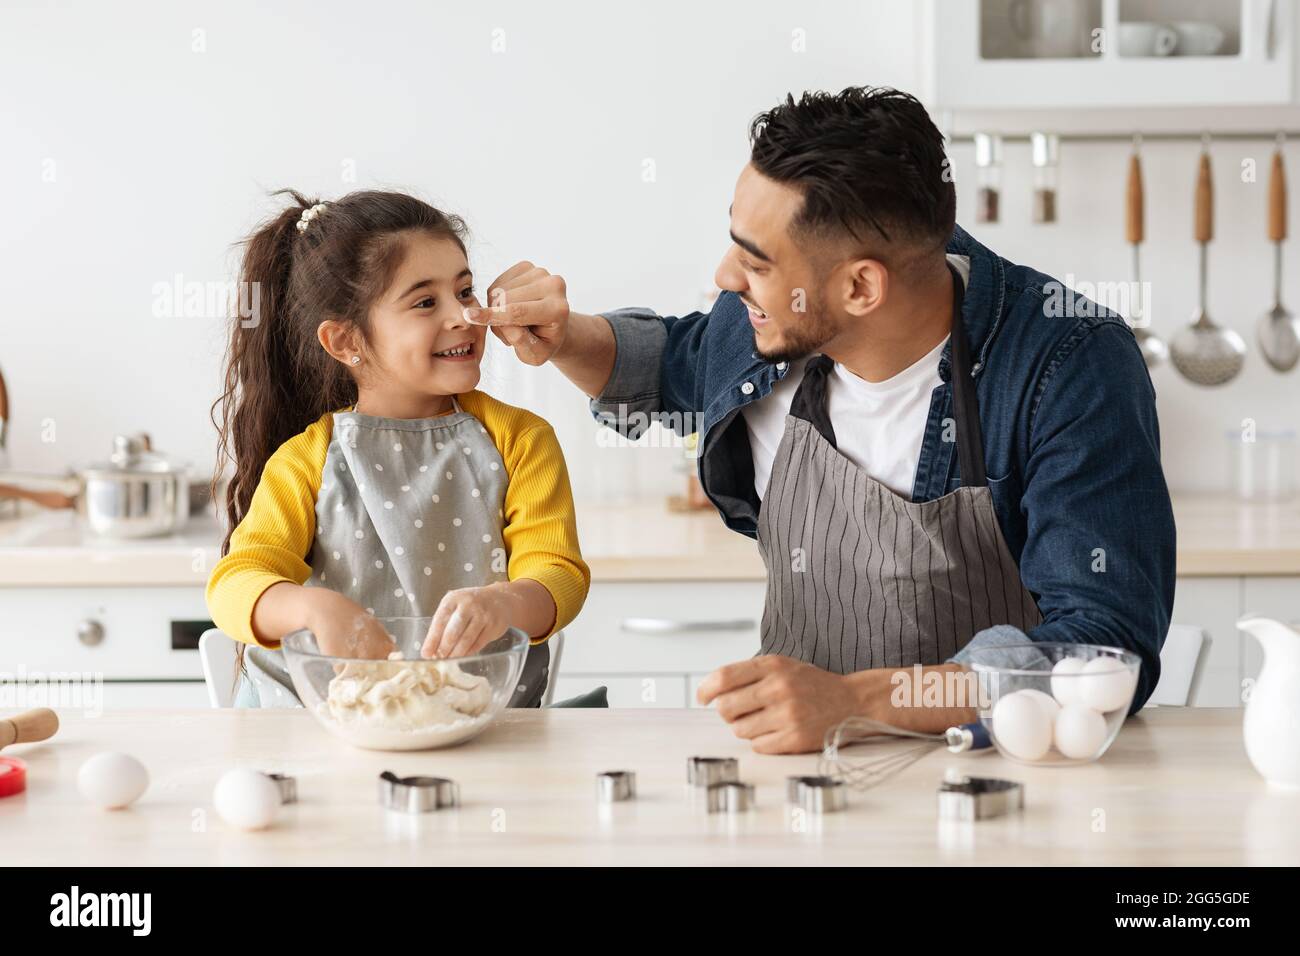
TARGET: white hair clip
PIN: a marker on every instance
(308, 215)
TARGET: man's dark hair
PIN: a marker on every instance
(867, 160)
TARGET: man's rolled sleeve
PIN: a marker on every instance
(640, 337)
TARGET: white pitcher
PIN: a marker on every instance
(1272, 723)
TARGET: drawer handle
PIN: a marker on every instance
(664, 625)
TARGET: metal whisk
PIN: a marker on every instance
(864, 772)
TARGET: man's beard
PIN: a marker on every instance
(805, 337)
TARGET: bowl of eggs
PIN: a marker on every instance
(1055, 704)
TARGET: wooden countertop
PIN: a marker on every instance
(1218, 536)
(1175, 789)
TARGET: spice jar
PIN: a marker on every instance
(1044, 150)
(988, 176)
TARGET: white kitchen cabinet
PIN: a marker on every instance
(1213, 604)
(117, 646)
(640, 690)
(89, 696)
(653, 643)
(150, 695)
(1269, 597)
(118, 633)
(1014, 54)
(664, 626)
(648, 640)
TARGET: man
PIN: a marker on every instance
(939, 451)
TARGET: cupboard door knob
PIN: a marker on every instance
(90, 632)
(664, 625)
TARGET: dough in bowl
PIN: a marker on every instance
(386, 695)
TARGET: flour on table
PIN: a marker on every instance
(386, 696)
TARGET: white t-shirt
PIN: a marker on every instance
(879, 426)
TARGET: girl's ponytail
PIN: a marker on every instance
(263, 402)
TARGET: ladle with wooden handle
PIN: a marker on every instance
(1154, 350)
(1277, 331)
(1205, 353)
(28, 727)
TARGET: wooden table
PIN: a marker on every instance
(1176, 788)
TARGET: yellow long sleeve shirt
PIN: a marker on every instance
(273, 541)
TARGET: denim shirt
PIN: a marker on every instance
(1071, 442)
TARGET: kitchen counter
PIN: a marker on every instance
(1175, 789)
(1218, 536)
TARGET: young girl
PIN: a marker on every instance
(371, 479)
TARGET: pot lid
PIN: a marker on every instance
(134, 454)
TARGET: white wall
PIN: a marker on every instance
(160, 158)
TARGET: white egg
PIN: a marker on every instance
(1021, 726)
(1106, 685)
(1080, 731)
(112, 780)
(1065, 686)
(246, 799)
(1046, 701)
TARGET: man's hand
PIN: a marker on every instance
(779, 704)
(527, 309)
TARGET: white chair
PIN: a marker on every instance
(218, 652)
(556, 644)
(1178, 660)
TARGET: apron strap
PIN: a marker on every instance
(810, 400)
(965, 405)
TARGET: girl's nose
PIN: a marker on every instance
(456, 320)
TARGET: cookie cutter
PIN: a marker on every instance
(979, 798)
(287, 785)
(613, 786)
(730, 796)
(707, 771)
(817, 794)
(417, 794)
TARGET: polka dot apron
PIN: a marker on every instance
(408, 510)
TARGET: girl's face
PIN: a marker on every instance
(420, 347)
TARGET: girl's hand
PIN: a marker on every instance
(468, 619)
(343, 628)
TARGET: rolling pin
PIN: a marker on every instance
(28, 727)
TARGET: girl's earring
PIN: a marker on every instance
(356, 360)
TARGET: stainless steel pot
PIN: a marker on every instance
(137, 493)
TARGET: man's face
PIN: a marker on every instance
(774, 278)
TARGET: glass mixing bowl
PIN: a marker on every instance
(1054, 704)
(411, 703)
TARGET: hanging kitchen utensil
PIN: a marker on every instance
(1154, 349)
(1278, 331)
(1205, 353)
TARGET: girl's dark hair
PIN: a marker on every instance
(278, 378)
(867, 160)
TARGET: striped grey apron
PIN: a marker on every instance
(859, 577)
